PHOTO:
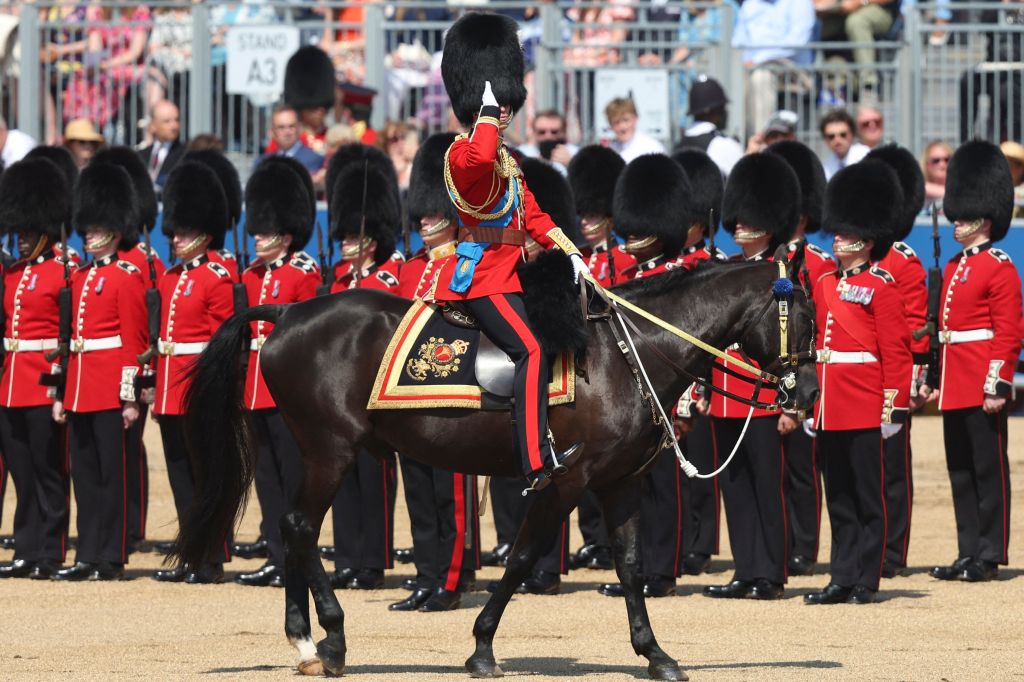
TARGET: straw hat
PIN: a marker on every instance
(82, 130)
(1013, 150)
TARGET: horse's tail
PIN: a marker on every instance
(223, 458)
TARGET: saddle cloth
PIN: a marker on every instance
(430, 362)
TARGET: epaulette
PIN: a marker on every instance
(304, 264)
(817, 251)
(302, 255)
(149, 251)
(225, 254)
(127, 267)
(387, 278)
(218, 269)
(397, 256)
(904, 250)
(999, 255)
(882, 274)
(719, 255)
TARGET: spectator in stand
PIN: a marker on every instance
(708, 109)
(345, 43)
(781, 126)
(170, 55)
(629, 142)
(166, 150)
(761, 27)
(837, 128)
(999, 79)
(1014, 153)
(14, 144)
(548, 140)
(401, 141)
(117, 44)
(284, 131)
(600, 34)
(82, 140)
(870, 126)
(338, 135)
(858, 21)
(934, 163)
(698, 24)
(61, 55)
(356, 108)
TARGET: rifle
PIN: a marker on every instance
(712, 228)
(609, 244)
(152, 312)
(358, 270)
(934, 299)
(7, 260)
(241, 299)
(56, 378)
(326, 272)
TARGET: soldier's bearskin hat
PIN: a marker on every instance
(593, 172)
(811, 175)
(227, 175)
(34, 198)
(357, 153)
(864, 200)
(482, 47)
(706, 183)
(60, 156)
(126, 158)
(194, 200)
(979, 185)
(911, 182)
(552, 193)
(428, 195)
(764, 192)
(309, 79)
(653, 198)
(279, 199)
(105, 197)
(382, 210)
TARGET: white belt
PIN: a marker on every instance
(22, 345)
(87, 345)
(257, 343)
(844, 357)
(966, 336)
(175, 348)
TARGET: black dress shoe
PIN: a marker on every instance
(660, 586)
(695, 563)
(252, 550)
(442, 600)
(497, 556)
(7, 542)
(980, 571)
(413, 602)
(832, 594)
(107, 571)
(890, 570)
(410, 584)
(163, 546)
(327, 552)
(612, 589)
(404, 556)
(173, 575)
(801, 565)
(367, 579)
(342, 577)
(862, 595)
(81, 570)
(19, 568)
(592, 556)
(953, 571)
(207, 574)
(541, 582)
(737, 589)
(766, 589)
(261, 577)
(44, 570)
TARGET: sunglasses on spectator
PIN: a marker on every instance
(832, 136)
(554, 132)
(870, 123)
(936, 160)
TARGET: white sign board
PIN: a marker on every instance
(257, 56)
(649, 90)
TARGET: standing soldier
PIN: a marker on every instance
(109, 332)
(980, 335)
(196, 298)
(280, 212)
(864, 371)
(35, 202)
(761, 208)
(905, 267)
(227, 176)
(593, 172)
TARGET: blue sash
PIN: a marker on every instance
(469, 254)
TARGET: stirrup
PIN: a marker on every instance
(539, 482)
(567, 459)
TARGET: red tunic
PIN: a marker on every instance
(981, 295)
(912, 282)
(383, 277)
(137, 257)
(860, 312)
(109, 309)
(600, 268)
(419, 275)
(287, 280)
(196, 298)
(30, 308)
(227, 259)
(816, 259)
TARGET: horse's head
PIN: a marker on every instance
(779, 335)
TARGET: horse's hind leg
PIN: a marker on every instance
(542, 522)
(622, 513)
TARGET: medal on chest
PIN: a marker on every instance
(963, 277)
(32, 282)
(189, 287)
(854, 293)
(277, 289)
(99, 285)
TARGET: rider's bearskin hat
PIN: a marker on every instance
(280, 199)
(551, 190)
(428, 195)
(105, 197)
(382, 210)
(126, 158)
(227, 174)
(911, 182)
(482, 47)
(763, 192)
(357, 153)
(809, 171)
(653, 198)
(705, 181)
(309, 79)
(34, 198)
(592, 175)
(979, 185)
(194, 200)
(863, 200)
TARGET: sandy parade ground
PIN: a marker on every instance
(922, 629)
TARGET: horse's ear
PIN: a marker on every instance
(797, 263)
(782, 254)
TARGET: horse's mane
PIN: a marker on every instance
(669, 282)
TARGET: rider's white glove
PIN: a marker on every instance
(890, 430)
(578, 267)
(488, 99)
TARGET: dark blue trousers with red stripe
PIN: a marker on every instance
(364, 512)
(502, 317)
(99, 471)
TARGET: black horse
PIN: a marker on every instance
(320, 363)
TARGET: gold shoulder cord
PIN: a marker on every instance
(504, 167)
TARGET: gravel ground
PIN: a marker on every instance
(921, 630)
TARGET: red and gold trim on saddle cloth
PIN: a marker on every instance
(421, 369)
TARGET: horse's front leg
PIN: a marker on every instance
(621, 505)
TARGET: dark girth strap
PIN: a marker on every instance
(492, 235)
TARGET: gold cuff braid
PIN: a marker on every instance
(561, 241)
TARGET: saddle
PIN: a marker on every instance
(495, 371)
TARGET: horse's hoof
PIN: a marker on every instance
(311, 668)
(667, 670)
(485, 668)
(333, 659)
